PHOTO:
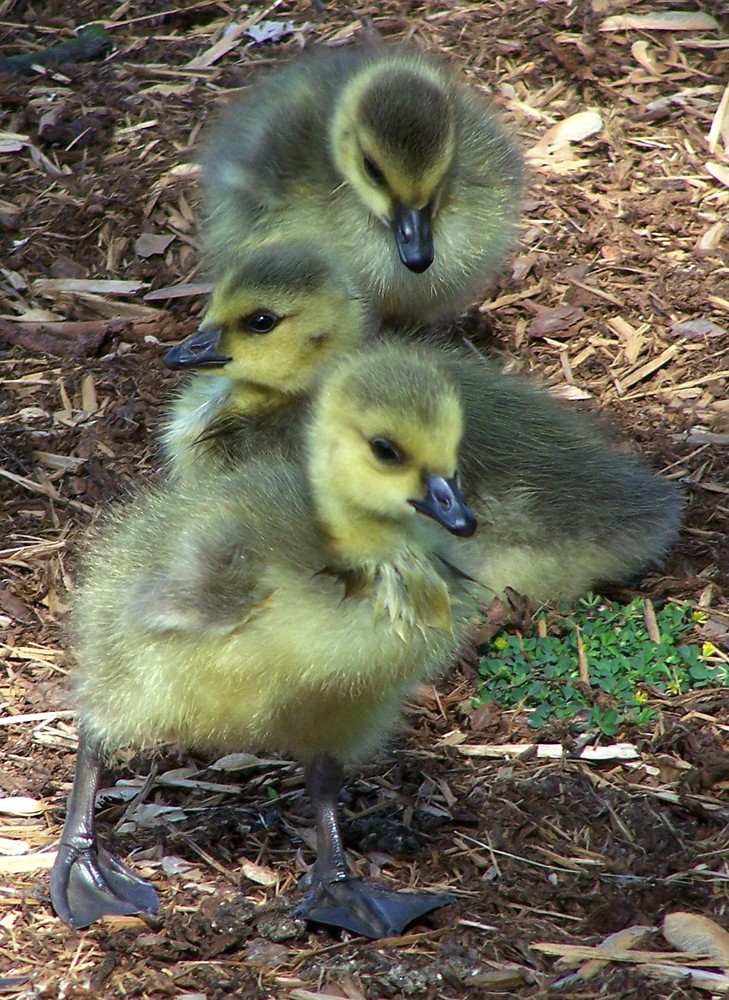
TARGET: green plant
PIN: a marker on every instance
(543, 672)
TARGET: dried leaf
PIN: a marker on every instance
(555, 320)
(241, 761)
(260, 874)
(697, 329)
(172, 865)
(50, 460)
(694, 932)
(149, 814)
(64, 267)
(20, 805)
(271, 31)
(670, 20)
(573, 129)
(328, 992)
(13, 142)
(183, 291)
(10, 846)
(719, 171)
(720, 124)
(710, 241)
(13, 984)
(643, 55)
(14, 607)
(150, 244)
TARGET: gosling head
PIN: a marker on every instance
(277, 315)
(393, 140)
(383, 448)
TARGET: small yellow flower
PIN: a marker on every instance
(641, 697)
(699, 616)
(708, 649)
(501, 642)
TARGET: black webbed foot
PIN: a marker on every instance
(366, 908)
(88, 883)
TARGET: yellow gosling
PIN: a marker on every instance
(273, 323)
(286, 607)
(562, 509)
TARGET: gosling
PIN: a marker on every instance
(561, 509)
(287, 608)
(382, 151)
(273, 323)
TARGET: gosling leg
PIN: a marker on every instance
(86, 881)
(334, 895)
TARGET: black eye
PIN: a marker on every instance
(385, 451)
(260, 322)
(373, 171)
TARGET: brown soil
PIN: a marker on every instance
(625, 228)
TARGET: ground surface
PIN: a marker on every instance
(622, 244)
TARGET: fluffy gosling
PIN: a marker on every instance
(286, 607)
(561, 508)
(387, 156)
(273, 323)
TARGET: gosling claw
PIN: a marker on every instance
(366, 908)
(88, 883)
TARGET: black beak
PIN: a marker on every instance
(445, 503)
(414, 237)
(198, 351)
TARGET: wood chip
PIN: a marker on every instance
(100, 286)
(634, 956)
(650, 368)
(670, 20)
(613, 945)
(18, 864)
(714, 982)
(552, 751)
(183, 291)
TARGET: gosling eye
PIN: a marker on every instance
(385, 451)
(373, 171)
(260, 322)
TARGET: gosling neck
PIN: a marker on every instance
(358, 538)
(252, 397)
(387, 559)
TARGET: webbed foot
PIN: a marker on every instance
(366, 908)
(88, 883)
